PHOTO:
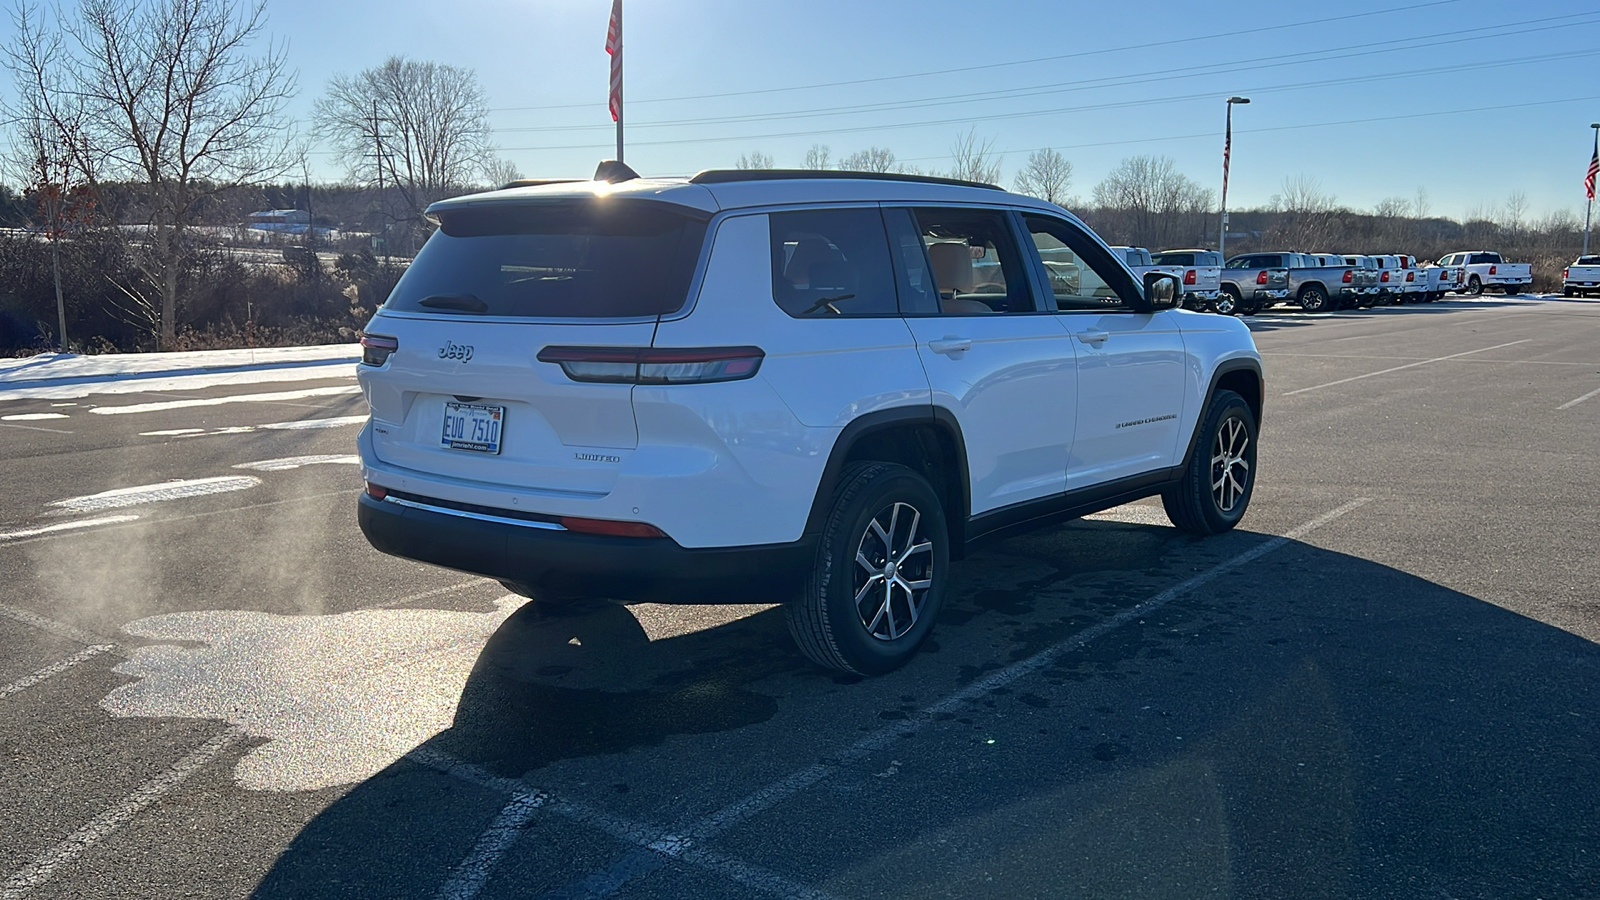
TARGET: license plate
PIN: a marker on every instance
(473, 426)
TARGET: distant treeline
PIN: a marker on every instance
(284, 295)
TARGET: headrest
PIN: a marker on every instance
(952, 265)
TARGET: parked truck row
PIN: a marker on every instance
(1324, 282)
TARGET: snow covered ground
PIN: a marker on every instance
(68, 376)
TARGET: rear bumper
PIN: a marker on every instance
(1271, 294)
(563, 562)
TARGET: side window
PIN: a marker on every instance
(832, 262)
(1082, 276)
(976, 265)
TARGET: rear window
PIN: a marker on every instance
(580, 259)
(1589, 261)
(1174, 259)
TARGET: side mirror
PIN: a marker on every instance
(1160, 291)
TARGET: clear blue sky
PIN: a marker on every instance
(1424, 94)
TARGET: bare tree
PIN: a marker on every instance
(872, 159)
(1046, 175)
(500, 171)
(975, 160)
(1420, 206)
(420, 128)
(1146, 200)
(817, 157)
(64, 203)
(165, 93)
(1516, 213)
(1303, 194)
(1392, 208)
(755, 159)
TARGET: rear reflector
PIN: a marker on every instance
(611, 527)
(376, 492)
(1189, 277)
(375, 348)
(655, 365)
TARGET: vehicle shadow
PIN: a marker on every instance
(1344, 729)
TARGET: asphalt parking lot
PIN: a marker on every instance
(1386, 683)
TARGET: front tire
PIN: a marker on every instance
(1219, 479)
(879, 577)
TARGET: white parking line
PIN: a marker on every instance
(155, 493)
(468, 877)
(54, 669)
(778, 791)
(34, 428)
(51, 626)
(199, 515)
(297, 425)
(64, 526)
(43, 868)
(33, 417)
(1424, 362)
(220, 401)
(1571, 403)
(295, 462)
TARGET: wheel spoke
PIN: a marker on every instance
(877, 529)
(911, 536)
(863, 562)
(888, 607)
(861, 594)
(872, 627)
(924, 547)
(918, 585)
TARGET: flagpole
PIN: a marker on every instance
(619, 81)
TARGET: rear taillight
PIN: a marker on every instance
(655, 365)
(611, 527)
(1411, 276)
(1261, 277)
(1493, 269)
(1189, 277)
(1565, 273)
(1385, 275)
(375, 348)
(1349, 276)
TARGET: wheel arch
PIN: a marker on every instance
(925, 439)
(1241, 375)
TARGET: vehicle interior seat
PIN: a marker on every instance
(952, 273)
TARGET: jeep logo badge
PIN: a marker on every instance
(452, 350)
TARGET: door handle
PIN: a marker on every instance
(950, 344)
(1092, 336)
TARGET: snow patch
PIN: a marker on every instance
(338, 697)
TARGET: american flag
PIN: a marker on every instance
(614, 47)
(1227, 151)
(1594, 169)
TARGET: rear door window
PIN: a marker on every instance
(976, 264)
(832, 262)
(570, 259)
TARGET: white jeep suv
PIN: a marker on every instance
(815, 388)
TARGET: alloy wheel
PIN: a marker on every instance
(1230, 470)
(894, 571)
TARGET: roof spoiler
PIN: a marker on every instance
(613, 171)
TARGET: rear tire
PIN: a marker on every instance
(1474, 287)
(878, 580)
(1219, 479)
(1248, 307)
(1313, 299)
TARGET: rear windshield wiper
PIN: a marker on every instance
(457, 302)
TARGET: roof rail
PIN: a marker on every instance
(536, 182)
(726, 176)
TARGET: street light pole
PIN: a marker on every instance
(1227, 151)
(1589, 210)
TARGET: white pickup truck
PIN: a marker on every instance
(1582, 277)
(1438, 280)
(1485, 269)
(1202, 276)
(1142, 264)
